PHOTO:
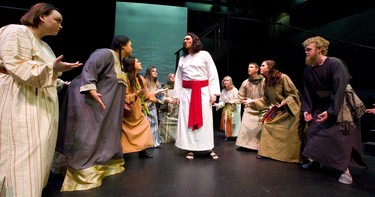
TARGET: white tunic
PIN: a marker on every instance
(199, 66)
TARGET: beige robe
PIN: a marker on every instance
(280, 139)
(168, 118)
(28, 112)
(251, 127)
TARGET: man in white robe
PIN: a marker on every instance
(196, 87)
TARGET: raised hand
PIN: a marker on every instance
(371, 111)
(60, 66)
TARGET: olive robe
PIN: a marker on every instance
(281, 135)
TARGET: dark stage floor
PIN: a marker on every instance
(235, 173)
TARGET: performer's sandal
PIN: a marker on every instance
(189, 156)
(213, 155)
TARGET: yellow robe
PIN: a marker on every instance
(280, 139)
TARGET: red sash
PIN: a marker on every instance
(195, 108)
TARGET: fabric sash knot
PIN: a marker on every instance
(195, 109)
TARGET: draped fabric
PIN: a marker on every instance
(281, 136)
(326, 142)
(195, 109)
(199, 66)
(230, 121)
(251, 127)
(168, 118)
(226, 120)
(28, 111)
(89, 136)
(153, 118)
(136, 131)
(351, 111)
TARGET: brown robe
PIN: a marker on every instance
(136, 131)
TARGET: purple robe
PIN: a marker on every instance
(89, 136)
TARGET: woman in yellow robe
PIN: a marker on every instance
(280, 139)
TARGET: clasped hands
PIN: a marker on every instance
(321, 117)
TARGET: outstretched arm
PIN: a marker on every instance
(371, 111)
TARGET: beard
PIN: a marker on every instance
(312, 60)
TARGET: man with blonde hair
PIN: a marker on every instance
(325, 82)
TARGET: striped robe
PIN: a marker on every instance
(28, 112)
(168, 118)
(152, 117)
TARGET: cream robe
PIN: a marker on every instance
(28, 112)
(199, 66)
(231, 114)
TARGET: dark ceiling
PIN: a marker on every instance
(313, 12)
(306, 13)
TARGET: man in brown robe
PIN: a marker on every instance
(325, 82)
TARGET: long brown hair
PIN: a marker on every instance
(273, 74)
(132, 73)
(148, 79)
